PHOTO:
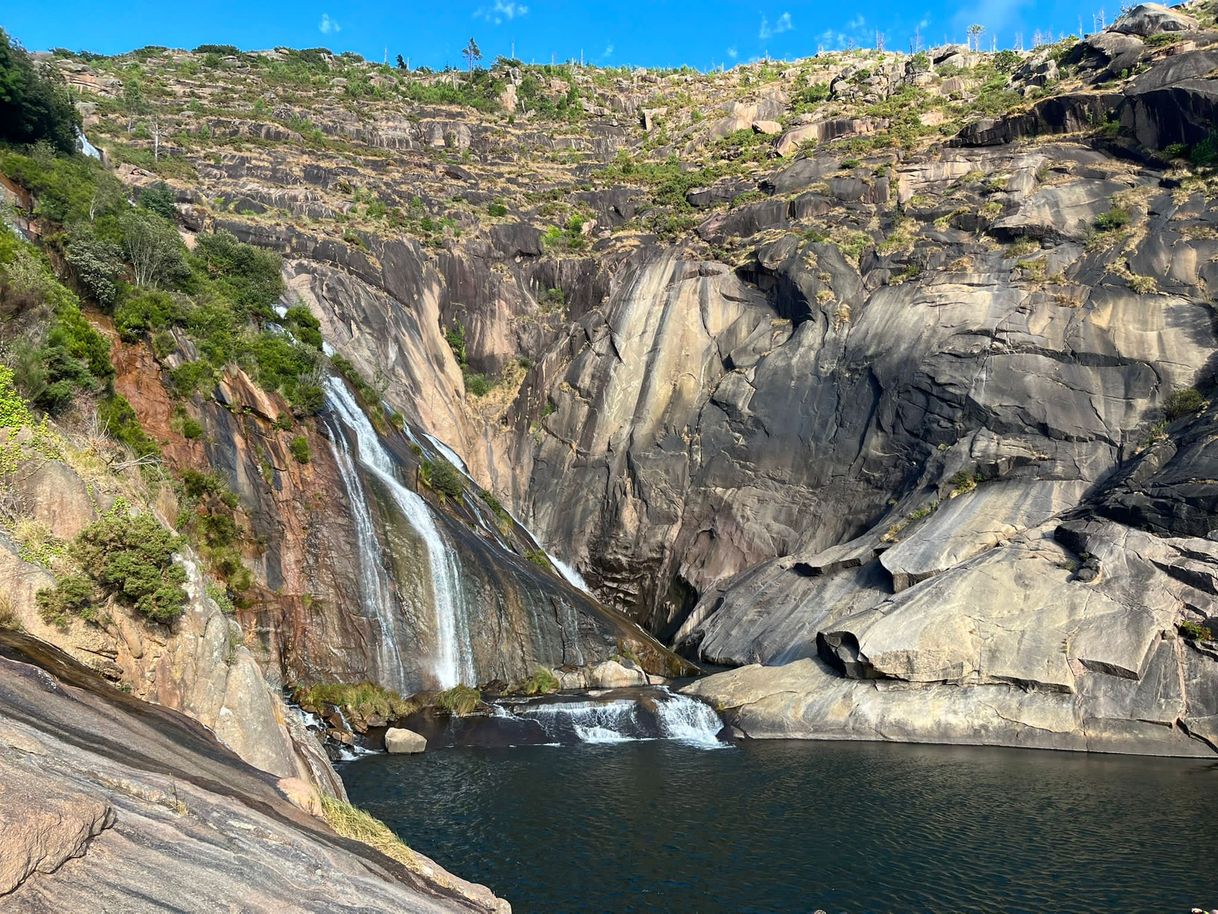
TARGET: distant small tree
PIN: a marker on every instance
(401, 63)
(472, 53)
(974, 35)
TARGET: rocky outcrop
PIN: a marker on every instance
(102, 793)
(1148, 19)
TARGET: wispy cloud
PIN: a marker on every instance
(607, 53)
(502, 11)
(328, 26)
(732, 53)
(857, 22)
(783, 24)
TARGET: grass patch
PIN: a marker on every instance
(363, 699)
(352, 822)
(460, 700)
(542, 682)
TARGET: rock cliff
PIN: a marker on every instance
(886, 381)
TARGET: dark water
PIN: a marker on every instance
(791, 827)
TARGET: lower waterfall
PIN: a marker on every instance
(659, 714)
(454, 662)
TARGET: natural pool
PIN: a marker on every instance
(666, 826)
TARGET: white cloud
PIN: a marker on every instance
(328, 25)
(768, 31)
(857, 22)
(733, 53)
(502, 11)
(608, 52)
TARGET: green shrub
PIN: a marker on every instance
(97, 265)
(144, 311)
(72, 595)
(121, 422)
(443, 477)
(498, 210)
(14, 412)
(1195, 631)
(300, 449)
(304, 326)
(1116, 218)
(542, 682)
(1184, 402)
(1205, 153)
(246, 276)
(460, 700)
(159, 199)
(478, 384)
(538, 557)
(130, 556)
(455, 337)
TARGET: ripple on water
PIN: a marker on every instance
(789, 827)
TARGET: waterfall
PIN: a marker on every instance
(375, 589)
(569, 574)
(454, 659)
(86, 147)
(670, 716)
(689, 720)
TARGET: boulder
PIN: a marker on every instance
(769, 128)
(612, 674)
(1147, 19)
(399, 741)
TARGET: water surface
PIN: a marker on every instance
(794, 826)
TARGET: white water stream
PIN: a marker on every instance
(453, 662)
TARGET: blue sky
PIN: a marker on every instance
(701, 33)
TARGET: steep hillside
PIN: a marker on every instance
(887, 372)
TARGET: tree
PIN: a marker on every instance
(401, 63)
(974, 34)
(154, 248)
(472, 53)
(34, 103)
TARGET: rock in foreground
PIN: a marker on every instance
(103, 796)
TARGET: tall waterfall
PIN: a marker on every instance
(375, 587)
(454, 662)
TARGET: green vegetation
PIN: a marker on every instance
(363, 699)
(1184, 402)
(125, 557)
(299, 447)
(1116, 218)
(538, 557)
(34, 102)
(441, 476)
(1195, 631)
(459, 701)
(542, 682)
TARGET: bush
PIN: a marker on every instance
(304, 326)
(246, 276)
(73, 595)
(542, 682)
(1115, 218)
(14, 413)
(130, 556)
(144, 311)
(443, 477)
(478, 384)
(97, 265)
(1183, 403)
(300, 449)
(158, 198)
(121, 422)
(460, 700)
(1195, 631)
(497, 210)
(34, 102)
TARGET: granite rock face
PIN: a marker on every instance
(103, 793)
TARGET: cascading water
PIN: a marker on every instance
(454, 662)
(375, 589)
(665, 715)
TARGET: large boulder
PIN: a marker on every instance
(1147, 19)
(399, 741)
